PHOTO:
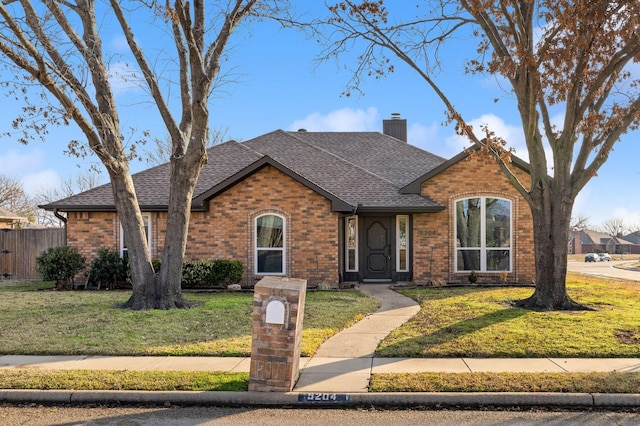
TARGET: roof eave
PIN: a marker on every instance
(100, 208)
(200, 202)
(415, 186)
(399, 210)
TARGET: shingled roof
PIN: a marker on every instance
(355, 170)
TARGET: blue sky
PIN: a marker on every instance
(277, 85)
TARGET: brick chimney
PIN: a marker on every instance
(395, 127)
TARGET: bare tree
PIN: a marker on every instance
(633, 228)
(68, 187)
(58, 45)
(14, 198)
(160, 150)
(563, 58)
(614, 226)
(580, 222)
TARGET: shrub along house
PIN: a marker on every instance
(333, 207)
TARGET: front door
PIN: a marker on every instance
(378, 247)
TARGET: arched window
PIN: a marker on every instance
(483, 234)
(270, 245)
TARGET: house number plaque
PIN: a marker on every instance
(323, 397)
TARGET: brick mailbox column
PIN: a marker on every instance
(278, 309)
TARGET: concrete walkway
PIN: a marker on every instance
(345, 360)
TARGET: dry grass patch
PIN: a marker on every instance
(482, 322)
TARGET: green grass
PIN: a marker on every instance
(482, 322)
(123, 380)
(24, 285)
(89, 323)
(453, 322)
(507, 382)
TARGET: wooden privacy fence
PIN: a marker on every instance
(19, 248)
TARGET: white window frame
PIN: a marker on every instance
(483, 232)
(346, 244)
(283, 248)
(146, 219)
(406, 248)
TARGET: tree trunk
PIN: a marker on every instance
(551, 212)
(142, 274)
(183, 181)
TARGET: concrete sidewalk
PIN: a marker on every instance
(340, 368)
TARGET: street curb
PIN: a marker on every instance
(298, 399)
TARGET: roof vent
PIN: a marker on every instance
(302, 130)
(395, 127)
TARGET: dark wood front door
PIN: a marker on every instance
(378, 247)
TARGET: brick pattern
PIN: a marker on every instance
(312, 251)
(275, 348)
(90, 231)
(226, 231)
(434, 239)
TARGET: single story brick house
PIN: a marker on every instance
(333, 207)
(589, 241)
(10, 220)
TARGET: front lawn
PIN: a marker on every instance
(88, 323)
(453, 322)
(481, 322)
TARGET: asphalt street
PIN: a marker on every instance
(612, 269)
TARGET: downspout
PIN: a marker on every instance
(63, 220)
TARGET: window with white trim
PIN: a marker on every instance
(269, 245)
(146, 220)
(483, 234)
(351, 243)
(402, 243)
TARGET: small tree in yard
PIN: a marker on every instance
(573, 59)
(59, 46)
(60, 264)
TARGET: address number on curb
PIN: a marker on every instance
(323, 397)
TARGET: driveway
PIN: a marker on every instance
(612, 269)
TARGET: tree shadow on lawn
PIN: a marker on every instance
(421, 294)
(414, 346)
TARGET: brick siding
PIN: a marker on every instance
(434, 239)
(226, 231)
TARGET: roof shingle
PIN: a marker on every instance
(362, 169)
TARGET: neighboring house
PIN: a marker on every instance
(633, 238)
(332, 207)
(588, 241)
(9, 220)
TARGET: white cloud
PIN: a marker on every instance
(14, 163)
(41, 181)
(124, 77)
(341, 120)
(119, 43)
(512, 134)
(31, 168)
(581, 204)
(629, 217)
(425, 137)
